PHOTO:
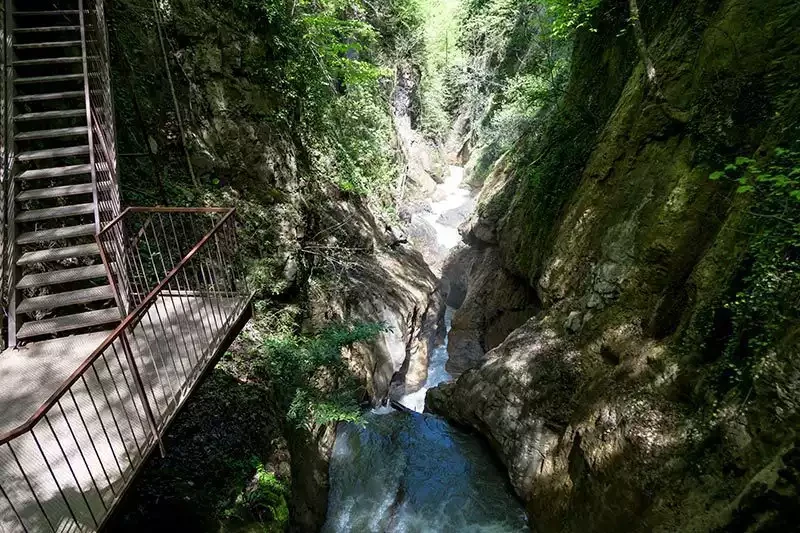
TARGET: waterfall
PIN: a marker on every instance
(403, 472)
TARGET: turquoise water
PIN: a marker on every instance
(411, 472)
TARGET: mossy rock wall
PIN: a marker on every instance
(623, 405)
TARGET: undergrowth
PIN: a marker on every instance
(764, 303)
(312, 382)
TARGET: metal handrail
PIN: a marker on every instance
(158, 209)
(130, 319)
(89, 118)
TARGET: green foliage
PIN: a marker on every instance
(311, 71)
(312, 382)
(516, 70)
(442, 56)
(211, 444)
(779, 180)
(571, 15)
(399, 24)
(764, 304)
(263, 501)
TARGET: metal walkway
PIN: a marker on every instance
(68, 471)
(82, 413)
(114, 315)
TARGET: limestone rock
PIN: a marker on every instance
(494, 303)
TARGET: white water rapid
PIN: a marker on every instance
(411, 472)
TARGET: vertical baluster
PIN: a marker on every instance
(122, 404)
(164, 297)
(217, 268)
(194, 265)
(131, 393)
(71, 470)
(94, 447)
(141, 330)
(154, 307)
(182, 314)
(14, 509)
(113, 416)
(102, 424)
(53, 475)
(137, 378)
(182, 274)
(83, 457)
(30, 486)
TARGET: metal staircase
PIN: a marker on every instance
(58, 285)
(82, 407)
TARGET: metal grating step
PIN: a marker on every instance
(49, 12)
(55, 212)
(47, 61)
(47, 115)
(51, 44)
(48, 79)
(52, 134)
(49, 96)
(57, 277)
(51, 153)
(56, 234)
(47, 29)
(55, 172)
(65, 299)
(67, 323)
(55, 192)
(58, 254)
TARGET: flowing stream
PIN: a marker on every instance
(413, 472)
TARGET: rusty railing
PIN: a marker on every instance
(68, 465)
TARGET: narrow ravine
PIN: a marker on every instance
(410, 471)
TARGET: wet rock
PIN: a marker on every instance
(574, 322)
(454, 217)
(606, 407)
(392, 285)
(494, 304)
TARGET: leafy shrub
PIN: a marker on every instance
(312, 383)
(764, 304)
(263, 502)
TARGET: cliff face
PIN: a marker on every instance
(317, 253)
(636, 399)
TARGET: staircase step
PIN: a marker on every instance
(58, 254)
(49, 12)
(51, 153)
(51, 44)
(51, 134)
(46, 29)
(64, 299)
(55, 212)
(47, 61)
(49, 96)
(68, 323)
(55, 192)
(55, 172)
(46, 115)
(56, 277)
(46, 79)
(56, 234)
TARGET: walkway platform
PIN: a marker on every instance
(67, 473)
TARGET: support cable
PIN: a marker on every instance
(157, 14)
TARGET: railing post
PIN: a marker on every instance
(112, 276)
(137, 377)
(89, 121)
(10, 274)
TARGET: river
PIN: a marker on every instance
(413, 472)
